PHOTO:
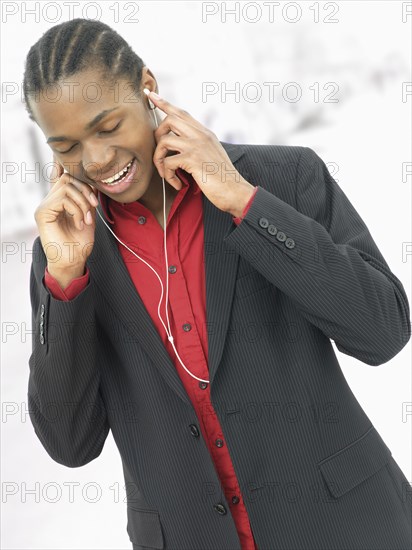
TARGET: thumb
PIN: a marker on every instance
(57, 170)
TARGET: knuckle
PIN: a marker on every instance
(77, 196)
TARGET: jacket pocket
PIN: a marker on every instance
(345, 469)
(144, 528)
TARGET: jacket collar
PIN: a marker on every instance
(186, 179)
(112, 279)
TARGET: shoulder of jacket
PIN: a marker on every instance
(258, 153)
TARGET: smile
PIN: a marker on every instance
(117, 178)
(124, 179)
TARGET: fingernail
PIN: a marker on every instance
(89, 218)
(154, 94)
(93, 198)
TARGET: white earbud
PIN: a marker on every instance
(151, 104)
(168, 332)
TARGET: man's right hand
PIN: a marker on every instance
(66, 231)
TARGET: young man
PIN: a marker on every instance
(235, 424)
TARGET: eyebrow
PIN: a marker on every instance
(88, 126)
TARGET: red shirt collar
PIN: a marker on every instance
(186, 179)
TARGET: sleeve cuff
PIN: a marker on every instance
(237, 220)
(71, 291)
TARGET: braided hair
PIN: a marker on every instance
(77, 45)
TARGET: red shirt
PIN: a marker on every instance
(137, 227)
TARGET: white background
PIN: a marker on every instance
(366, 134)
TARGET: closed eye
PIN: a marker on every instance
(112, 130)
(102, 132)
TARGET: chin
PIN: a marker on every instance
(134, 193)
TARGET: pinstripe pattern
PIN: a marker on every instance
(314, 472)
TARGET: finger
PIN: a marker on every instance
(164, 105)
(90, 192)
(80, 200)
(181, 127)
(72, 210)
(170, 165)
(171, 109)
(164, 147)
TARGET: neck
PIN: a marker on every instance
(153, 198)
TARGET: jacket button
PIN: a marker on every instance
(272, 229)
(289, 243)
(194, 430)
(281, 236)
(172, 269)
(263, 222)
(220, 509)
(141, 220)
(202, 385)
(235, 500)
(186, 327)
(219, 442)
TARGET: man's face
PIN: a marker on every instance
(94, 153)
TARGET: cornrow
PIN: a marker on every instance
(76, 45)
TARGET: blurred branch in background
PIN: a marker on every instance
(343, 88)
(363, 61)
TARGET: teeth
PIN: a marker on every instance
(118, 175)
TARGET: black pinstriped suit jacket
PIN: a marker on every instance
(301, 270)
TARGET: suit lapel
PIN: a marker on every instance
(221, 267)
(112, 277)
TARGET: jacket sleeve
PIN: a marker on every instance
(238, 220)
(64, 401)
(71, 291)
(323, 257)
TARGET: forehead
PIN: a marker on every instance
(75, 100)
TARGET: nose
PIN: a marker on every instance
(97, 166)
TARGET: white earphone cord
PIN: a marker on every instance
(169, 336)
